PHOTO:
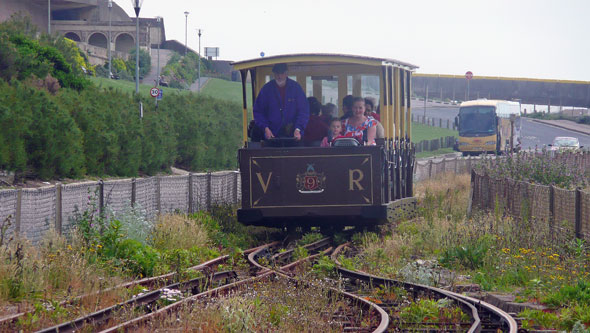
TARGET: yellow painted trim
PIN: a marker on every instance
(402, 114)
(383, 107)
(302, 80)
(449, 76)
(397, 104)
(357, 85)
(307, 58)
(317, 89)
(244, 125)
(409, 112)
(342, 91)
(390, 102)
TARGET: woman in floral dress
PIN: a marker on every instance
(359, 126)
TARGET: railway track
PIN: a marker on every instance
(392, 295)
(155, 288)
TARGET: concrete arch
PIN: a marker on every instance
(98, 39)
(124, 42)
(73, 36)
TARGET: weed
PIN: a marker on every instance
(309, 238)
(299, 253)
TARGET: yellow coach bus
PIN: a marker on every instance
(487, 126)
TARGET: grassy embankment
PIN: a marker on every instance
(423, 132)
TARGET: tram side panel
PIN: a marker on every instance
(311, 182)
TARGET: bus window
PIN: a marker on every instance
(477, 120)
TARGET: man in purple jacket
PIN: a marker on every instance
(281, 109)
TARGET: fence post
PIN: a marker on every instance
(448, 123)
(133, 192)
(470, 202)
(158, 192)
(551, 206)
(429, 169)
(190, 194)
(236, 175)
(208, 191)
(578, 223)
(58, 208)
(456, 162)
(19, 199)
(101, 197)
(440, 122)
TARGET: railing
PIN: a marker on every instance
(435, 122)
(434, 144)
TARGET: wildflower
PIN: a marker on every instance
(69, 247)
(506, 250)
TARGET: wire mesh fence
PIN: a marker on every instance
(32, 212)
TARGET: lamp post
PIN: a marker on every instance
(137, 7)
(185, 32)
(49, 17)
(158, 19)
(199, 59)
(110, 4)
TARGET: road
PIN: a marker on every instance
(533, 134)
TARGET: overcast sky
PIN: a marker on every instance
(516, 38)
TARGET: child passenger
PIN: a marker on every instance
(335, 131)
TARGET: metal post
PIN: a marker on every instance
(110, 4)
(425, 99)
(190, 194)
(199, 60)
(185, 32)
(101, 197)
(137, 8)
(19, 199)
(159, 19)
(208, 191)
(49, 17)
(578, 215)
(133, 192)
(58, 208)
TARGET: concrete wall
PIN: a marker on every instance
(528, 91)
(37, 12)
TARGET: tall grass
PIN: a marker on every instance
(499, 253)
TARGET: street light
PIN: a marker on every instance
(199, 59)
(185, 32)
(49, 17)
(158, 19)
(110, 4)
(137, 6)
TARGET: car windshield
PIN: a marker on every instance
(565, 142)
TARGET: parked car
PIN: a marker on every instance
(562, 143)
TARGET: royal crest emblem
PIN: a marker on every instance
(311, 181)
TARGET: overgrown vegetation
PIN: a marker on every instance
(443, 246)
(182, 71)
(103, 251)
(562, 169)
(54, 123)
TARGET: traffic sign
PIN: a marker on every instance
(154, 92)
(468, 75)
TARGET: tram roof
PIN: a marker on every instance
(320, 59)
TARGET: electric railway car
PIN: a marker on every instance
(332, 186)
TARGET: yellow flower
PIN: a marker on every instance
(70, 247)
(506, 250)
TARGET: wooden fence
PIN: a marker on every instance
(565, 211)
